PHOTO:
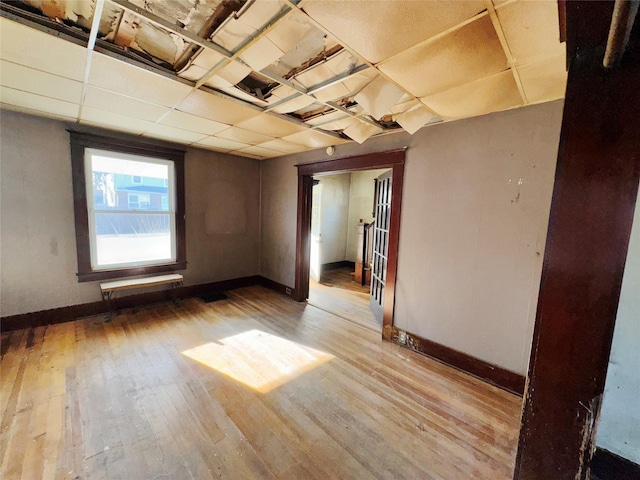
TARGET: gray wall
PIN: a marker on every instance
(473, 227)
(619, 427)
(37, 237)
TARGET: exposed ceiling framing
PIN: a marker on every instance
(333, 71)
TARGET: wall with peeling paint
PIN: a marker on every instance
(619, 426)
(475, 211)
(37, 240)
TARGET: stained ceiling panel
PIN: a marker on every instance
(360, 131)
(243, 136)
(215, 108)
(38, 50)
(414, 119)
(314, 139)
(490, 94)
(195, 124)
(532, 30)
(271, 125)
(24, 101)
(221, 144)
(544, 81)
(34, 81)
(465, 55)
(378, 97)
(177, 134)
(378, 30)
(120, 77)
(130, 107)
(257, 151)
(114, 121)
(283, 146)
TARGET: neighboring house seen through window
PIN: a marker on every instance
(130, 217)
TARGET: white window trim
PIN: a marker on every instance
(91, 211)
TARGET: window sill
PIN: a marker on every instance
(129, 272)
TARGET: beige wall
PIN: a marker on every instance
(37, 237)
(473, 227)
(360, 206)
(334, 215)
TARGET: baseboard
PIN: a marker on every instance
(493, 374)
(277, 287)
(340, 264)
(72, 312)
(609, 466)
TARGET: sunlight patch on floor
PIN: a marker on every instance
(258, 359)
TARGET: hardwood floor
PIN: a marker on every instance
(337, 293)
(304, 394)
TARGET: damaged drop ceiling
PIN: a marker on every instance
(265, 78)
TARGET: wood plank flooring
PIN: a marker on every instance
(256, 386)
(337, 293)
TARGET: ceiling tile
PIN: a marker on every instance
(262, 53)
(120, 77)
(192, 123)
(291, 30)
(332, 92)
(271, 125)
(38, 103)
(259, 152)
(378, 30)
(93, 116)
(314, 139)
(233, 34)
(464, 55)
(130, 107)
(360, 131)
(172, 133)
(532, 30)
(489, 94)
(243, 136)
(208, 59)
(221, 144)
(544, 81)
(328, 118)
(26, 79)
(378, 97)
(283, 146)
(259, 13)
(414, 119)
(216, 108)
(234, 72)
(39, 50)
(295, 104)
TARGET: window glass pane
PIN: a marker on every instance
(120, 184)
(138, 237)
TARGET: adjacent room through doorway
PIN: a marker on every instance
(342, 253)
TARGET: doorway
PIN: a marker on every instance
(393, 160)
(343, 220)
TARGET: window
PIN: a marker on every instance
(129, 207)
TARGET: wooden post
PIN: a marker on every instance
(594, 196)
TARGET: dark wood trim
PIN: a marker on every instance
(72, 312)
(340, 264)
(594, 196)
(609, 466)
(393, 159)
(277, 287)
(370, 161)
(303, 237)
(493, 374)
(123, 144)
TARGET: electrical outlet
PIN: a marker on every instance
(288, 290)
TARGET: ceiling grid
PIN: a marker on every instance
(264, 78)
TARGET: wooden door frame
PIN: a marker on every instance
(393, 159)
